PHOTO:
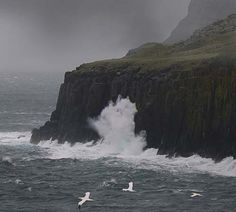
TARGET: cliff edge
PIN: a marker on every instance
(185, 94)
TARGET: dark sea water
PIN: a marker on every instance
(49, 177)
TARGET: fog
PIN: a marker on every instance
(58, 35)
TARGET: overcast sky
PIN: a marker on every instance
(58, 35)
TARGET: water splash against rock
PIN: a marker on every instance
(119, 144)
(116, 127)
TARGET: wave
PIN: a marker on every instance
(148, 159)
(119, 145)
(108, 183)
(32, 113)
(116, 127)
(8, 160)
(25, 113)
(14, 138)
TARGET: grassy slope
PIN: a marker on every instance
(215, 41)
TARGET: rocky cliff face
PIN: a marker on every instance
(200, 14)
(185, 96)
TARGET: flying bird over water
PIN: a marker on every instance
(84, 199)
(130, 188)
(196, 195)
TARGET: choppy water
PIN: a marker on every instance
(50, 176)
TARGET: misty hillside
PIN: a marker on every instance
(201, 13)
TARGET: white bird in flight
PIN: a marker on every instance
(84, 199)
(196, 195)
(130, 188)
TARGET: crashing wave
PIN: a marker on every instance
(120, 144)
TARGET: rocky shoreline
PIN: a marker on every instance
(182, 112)
(186, 107)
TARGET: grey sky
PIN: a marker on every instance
(58, 35)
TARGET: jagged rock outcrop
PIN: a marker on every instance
(200, 14)
(185, 95)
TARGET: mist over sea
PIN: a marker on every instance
(50, 176)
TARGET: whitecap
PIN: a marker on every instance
(19, 182)
(14, 138)
(116, 127)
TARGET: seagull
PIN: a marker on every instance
(84, 199)
(130, 188)
(196, 195)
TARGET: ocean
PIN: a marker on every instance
(49, 177)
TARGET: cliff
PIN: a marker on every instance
(185, 94)
(200, 14)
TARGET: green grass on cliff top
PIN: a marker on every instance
(215, 41)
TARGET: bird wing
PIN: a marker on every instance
(196, 195)
(87, 195)
(131, 185)
(82, 201)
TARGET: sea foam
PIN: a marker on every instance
(120, 145)
(14, 138)
(116, 127)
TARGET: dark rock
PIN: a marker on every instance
(182, 113)
(185, 95)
